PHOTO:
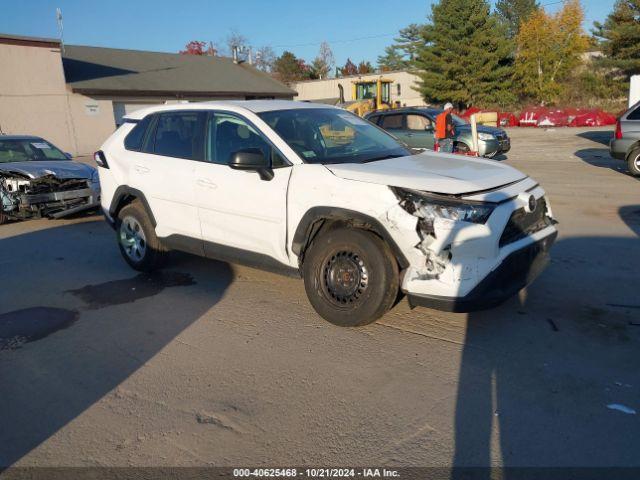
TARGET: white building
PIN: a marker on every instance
(403, 89)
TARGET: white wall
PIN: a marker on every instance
(35, 100)
(324, 89)
(634, 90)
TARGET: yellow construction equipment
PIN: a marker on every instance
(368, 95)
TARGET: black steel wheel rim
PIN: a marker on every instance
(345, 278)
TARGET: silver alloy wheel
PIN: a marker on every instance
(636, 162)
(132, 239)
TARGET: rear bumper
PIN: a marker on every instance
(515, 272)
(619, 148)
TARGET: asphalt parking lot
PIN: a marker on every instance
(213, 364)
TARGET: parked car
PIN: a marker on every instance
(625, 144)
(319, 193)
(415, 126)
(38, 180)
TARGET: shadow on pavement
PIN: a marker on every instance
(598, 136)
(599, 157)
(537, 374)
(83, 341)
(630, 214)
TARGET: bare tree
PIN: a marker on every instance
(324, 61)
(235, 40)
(264, 58)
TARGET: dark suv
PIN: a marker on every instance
(625, 144)
(415, 127)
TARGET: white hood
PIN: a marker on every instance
(432, 172)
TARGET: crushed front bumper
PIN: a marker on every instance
(515, 272)
(60, 204)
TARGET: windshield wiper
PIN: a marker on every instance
(384, 157)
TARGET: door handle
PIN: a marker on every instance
(409, 134)
(206, 183)
(141, 169)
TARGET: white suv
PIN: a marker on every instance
(320, 193)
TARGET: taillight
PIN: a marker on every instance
(100, 159)
(618, 133)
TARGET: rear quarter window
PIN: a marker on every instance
(133, 141)
(635, 115)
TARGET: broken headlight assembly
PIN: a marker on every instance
(429, 207)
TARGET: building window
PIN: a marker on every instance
(398, 89)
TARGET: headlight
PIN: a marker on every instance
(485, 136)
(430, 207)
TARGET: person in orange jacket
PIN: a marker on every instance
(445, 130)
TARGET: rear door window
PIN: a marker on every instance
(392, 122)
(180, 135)
(418, 123)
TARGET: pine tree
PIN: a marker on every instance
(409, 40)
(393, 59)
(400, 54)
(620, 38)
(465, 56)
(513, 12)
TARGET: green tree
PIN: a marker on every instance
(393, 59)
(403, 51)
(513, 12)
(409, 40)
(289, 68)
(549, 51)
(619, 38)
(465, 56)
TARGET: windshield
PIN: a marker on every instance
(331, 135)
(25, 150)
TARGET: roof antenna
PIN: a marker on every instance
(60, 28)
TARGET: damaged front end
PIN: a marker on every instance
(23, 197)
(465, 256)
(442, 214)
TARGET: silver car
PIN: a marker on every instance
(415, 127)
(625, 144)
(38, 180)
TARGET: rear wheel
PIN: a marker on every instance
(633, 162)
(350, 276)
(137, 239)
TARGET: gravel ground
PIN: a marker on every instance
(213, 364)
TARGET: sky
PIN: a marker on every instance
(356, 29)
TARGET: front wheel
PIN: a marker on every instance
(350, 276)
(633, 162)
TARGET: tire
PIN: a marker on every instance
(350, 276)
(461, 147)
(137, 240)
(633, 162)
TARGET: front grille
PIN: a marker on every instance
(521, 224)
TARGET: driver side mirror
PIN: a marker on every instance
(252, 159)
